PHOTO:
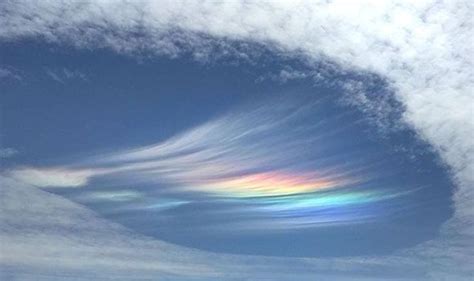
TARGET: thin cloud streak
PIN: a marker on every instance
(274, 160)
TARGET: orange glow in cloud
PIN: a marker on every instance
(270, 184)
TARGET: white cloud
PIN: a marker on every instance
(43, 236)
(419, 47)
(423, 48)
(51, 177)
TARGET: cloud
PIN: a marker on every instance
(6, 73)
(46, 237)
(410, 44)
(420, 47)
(65, 74)
(51, 177)
(118, 195)
(267, 156)
(7, 152)
(39, 229)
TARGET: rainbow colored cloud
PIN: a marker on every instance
(292, 164)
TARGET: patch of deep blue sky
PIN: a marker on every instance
(110, 101)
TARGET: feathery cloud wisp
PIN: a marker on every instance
(287, 162)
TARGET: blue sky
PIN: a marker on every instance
(206, 144)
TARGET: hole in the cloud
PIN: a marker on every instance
(292, 172)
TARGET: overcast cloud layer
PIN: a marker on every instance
(423, 48)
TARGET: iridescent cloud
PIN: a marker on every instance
(268, 184)
(289, 162)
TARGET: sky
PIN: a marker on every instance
(236, 140)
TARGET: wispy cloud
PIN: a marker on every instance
(63, 75)
(267, 156)
(7, 152)
(8, 73)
